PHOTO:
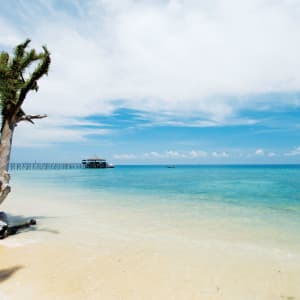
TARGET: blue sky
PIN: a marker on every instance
(161, 81)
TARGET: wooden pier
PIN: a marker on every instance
(45, 166)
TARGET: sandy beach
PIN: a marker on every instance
(77, 252)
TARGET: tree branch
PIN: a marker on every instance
(29, 118)
(31, 83)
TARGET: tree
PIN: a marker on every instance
(19, 75)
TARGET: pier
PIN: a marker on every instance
(45, 166)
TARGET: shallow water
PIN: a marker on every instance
(262, 199)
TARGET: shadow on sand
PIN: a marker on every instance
(7, 273)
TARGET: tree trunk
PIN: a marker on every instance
(7, 131)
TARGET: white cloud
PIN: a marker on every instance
(260, 152)
(155, 154)
(9, 36)
(195, 154)
(198, 155)
(174, 154)
(295, 151)
(173, 55)
(190, 58)
(220, 154)
(170, 154)
(50, 131)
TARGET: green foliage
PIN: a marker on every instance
(14, 86)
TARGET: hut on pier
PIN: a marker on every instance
(96, 163)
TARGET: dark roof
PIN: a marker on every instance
(94, 159)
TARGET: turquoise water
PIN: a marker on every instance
(270, 186)
(266, 198)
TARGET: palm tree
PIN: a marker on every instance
(15, 83)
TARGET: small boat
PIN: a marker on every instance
(171, 166)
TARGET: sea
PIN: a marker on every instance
(258, 201)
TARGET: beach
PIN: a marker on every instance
(149, 150)
(106, 245)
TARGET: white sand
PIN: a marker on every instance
(83, 252)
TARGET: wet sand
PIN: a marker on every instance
(120, 253)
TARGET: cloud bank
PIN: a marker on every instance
(209, 59)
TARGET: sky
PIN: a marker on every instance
(161, 81)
